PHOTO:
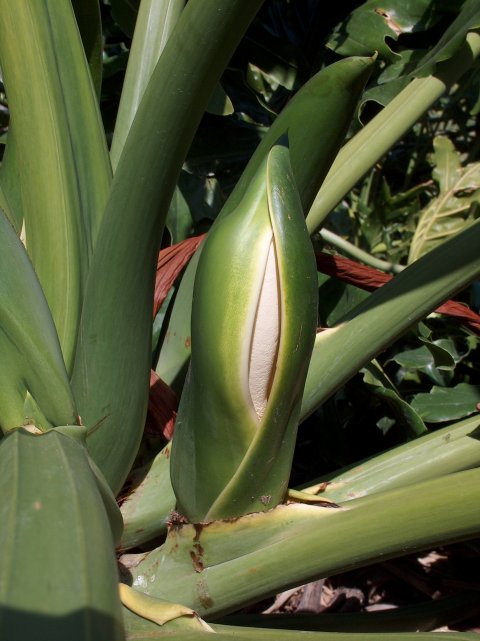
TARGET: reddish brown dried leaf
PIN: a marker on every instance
(369, 278)
(171, 261)
(162, 407)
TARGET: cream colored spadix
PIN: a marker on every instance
(253, 327)
(265, 336)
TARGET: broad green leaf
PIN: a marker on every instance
(220, 566)
(451, 211)
(447, 403)
(87, 13)
(59, 578)
(31, 360)
(444, 351)
(430, 355)
(154, 24)
(113, 356)
(383, 388)
(56, 139)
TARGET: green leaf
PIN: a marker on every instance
(367, 28)
(87, 13)
(327, 103)
(153, 26)
(56, 137)
(447, 403)
(451, 211)
(124, 13)
(113, 357)
(373, 141)
(31, 360)
(407, 417)
(444, 451)
(220, 104)
(148, 505)
(56, 583)
(431, 354)
(467, 20)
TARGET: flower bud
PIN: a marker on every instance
(253, 326)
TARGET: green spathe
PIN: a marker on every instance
(238, 416)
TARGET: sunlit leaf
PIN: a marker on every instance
(456, 205)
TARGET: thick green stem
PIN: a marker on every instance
(221, 566)
(363, 256)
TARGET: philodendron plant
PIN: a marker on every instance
(80, 232)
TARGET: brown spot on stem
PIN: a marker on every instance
(197, 560)
(203, 595)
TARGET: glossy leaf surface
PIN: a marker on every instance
(113, 357)
(231, 452)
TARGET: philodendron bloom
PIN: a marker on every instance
(253, 326)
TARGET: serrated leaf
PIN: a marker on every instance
(454, 208)
(447, 403)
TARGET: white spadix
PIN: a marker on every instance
(265, 336)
